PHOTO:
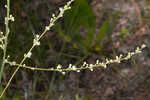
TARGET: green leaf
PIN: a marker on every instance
(108, 25)
(80, 15)
(106, 29)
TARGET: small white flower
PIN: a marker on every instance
(11, 18)
(97, 61)
(138, 50)
(1, 46)
(120, 56)
(59, 66)
(70, 65)
(24, 65)
(84, 63)
(78, 71)
(143, 46)
(6, 6)
(63, 73)
(53, 15)
(1, 33)
(107, 61)
(37, 36)
(13, 63)
(91, 69)
(74, 67)
(6, 60)
(111, 61)
(28, 55)
(36, 42)
(91, 65)
(8, 56)
(60, 9)
(104, 65)
(47, 28)
(51, 20)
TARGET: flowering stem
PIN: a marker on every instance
(6, 38)
(36, 42)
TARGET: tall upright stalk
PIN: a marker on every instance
(36, 41)
(6, 38)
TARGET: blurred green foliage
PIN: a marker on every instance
(77, 97)
(106, 29)
(81, 15)
(79, 27)
(124, 32)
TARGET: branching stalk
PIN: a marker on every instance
(36, 41)
(6, 38)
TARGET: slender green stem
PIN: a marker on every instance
(6, 39)
(47, 28)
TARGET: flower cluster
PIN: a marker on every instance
(28, 55)
(85, 65)
(2, 38)
(36, 41)
(10, 18)
(55, 18)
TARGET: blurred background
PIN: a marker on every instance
(91, 30)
